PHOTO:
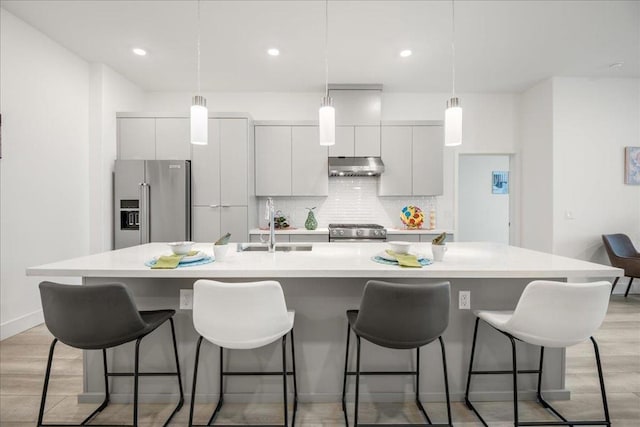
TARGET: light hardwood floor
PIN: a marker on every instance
(23, 360)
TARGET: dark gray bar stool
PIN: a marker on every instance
(399, 316)
(99, 317)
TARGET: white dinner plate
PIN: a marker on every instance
(197, 257)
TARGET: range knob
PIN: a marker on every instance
(376, 232)
(341, 232)
(359, 232)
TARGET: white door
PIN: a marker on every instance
(483, 201)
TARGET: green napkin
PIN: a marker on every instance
(405, 260)
(168, 261)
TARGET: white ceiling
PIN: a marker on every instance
(500, 45)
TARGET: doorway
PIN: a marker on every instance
(484, 192)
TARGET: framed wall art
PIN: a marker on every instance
(632, 165)
(500, 182)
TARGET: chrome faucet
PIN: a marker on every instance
(270, 215)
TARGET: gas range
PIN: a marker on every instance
(357, 233)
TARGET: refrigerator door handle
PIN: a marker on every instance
(145, 235)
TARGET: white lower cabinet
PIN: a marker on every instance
(209, 224)
(264, 238)
(301, 238)
(403, 237)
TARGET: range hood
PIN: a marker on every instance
(355, 166)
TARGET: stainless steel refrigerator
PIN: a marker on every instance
(152, 201)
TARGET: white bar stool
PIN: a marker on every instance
(242, 316)
(548, 314)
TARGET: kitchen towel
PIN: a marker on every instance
(405, 260)
(168, 261)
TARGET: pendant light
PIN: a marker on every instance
(453, 113)
(199, 112)
(327, 113)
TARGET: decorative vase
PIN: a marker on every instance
(311, 223)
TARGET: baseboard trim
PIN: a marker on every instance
(21, 324)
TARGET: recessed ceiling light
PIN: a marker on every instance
(138, 51)
(405, 53)
(273, 51)
(616, 65)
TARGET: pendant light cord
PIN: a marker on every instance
(326, 47)
(453, 48)
(198, 44)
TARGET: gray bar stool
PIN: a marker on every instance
(243, 316)
(99, 317)
(399, 316)
(548, 314)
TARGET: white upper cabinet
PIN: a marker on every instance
(309, 163)
(205, 169)
(412, 157)
(233, 162)
(273, 160)
(367, 141)
(173, 139)
(427, 159)
(290, 161)
(345, 139)
(151, 138)
(137, 138)
(396, 179)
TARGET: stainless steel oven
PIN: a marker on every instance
(357, 233)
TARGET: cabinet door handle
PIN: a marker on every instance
(214, 206)
(225, 206)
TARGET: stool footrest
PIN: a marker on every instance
(383, 373)
(520, 371)
(402, 425)
(564, 423)
(255, 373)
(142, 374)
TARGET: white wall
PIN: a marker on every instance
(593, 120)
(483, 216)
(110, 93)
(44, 197)
(536, 167)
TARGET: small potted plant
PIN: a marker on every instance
(438, 247)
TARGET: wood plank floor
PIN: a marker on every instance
(23, 360)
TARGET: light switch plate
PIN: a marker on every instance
(464, 300)
(186, 299)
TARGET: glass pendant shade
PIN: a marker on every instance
(327, 116)
(453, 123)
(199, 121)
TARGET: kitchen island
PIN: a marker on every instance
(321, 285)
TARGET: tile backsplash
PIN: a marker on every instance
(350, 200)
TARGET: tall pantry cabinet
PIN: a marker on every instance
(222, 172)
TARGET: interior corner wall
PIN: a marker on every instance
(110, 93)
(44, 215)
(536, 167)
(594, 119)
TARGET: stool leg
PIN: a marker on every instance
(175, 353)
(628, 287)
(344, 379)
(601, 378)
(515, 380)
(615, 282)
(136, 371)
(446, 379)
(295, 383)
(195, 379)
(284, 378)
(46, 381)
(355, 420)
(418, 403)
(473, 351)
(221, 398)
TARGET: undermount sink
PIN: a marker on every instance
(280, 247)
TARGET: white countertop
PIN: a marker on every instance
(462, 260)
(390, 230)
(291, 231)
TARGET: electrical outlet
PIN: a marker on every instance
(186, 299)
(464, 300)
